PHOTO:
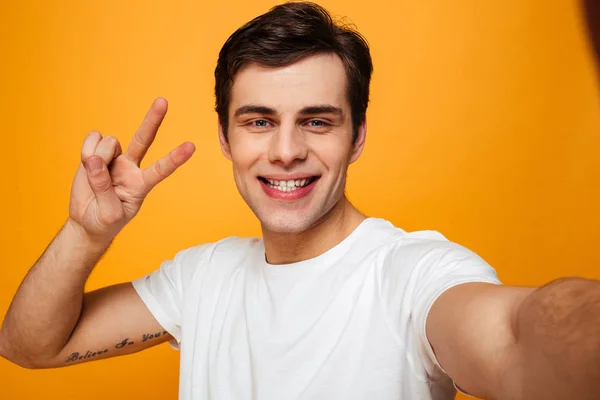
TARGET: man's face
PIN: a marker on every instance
(290, 140)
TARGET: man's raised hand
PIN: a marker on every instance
(109, 186)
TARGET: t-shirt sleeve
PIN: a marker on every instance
(163, 291)
(415, 275)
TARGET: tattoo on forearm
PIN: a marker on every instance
(145, 337)
(148, 336)
(125, 342)
(88, 354)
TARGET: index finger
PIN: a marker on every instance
(146, 133)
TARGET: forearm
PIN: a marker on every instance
(48, 303)
(558, 341)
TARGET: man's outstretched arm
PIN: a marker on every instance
(502, 342)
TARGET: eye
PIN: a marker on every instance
(317, 123)
(260, 123)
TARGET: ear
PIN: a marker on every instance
(225, 148)
(359, 144)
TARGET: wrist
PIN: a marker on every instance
(76, 235)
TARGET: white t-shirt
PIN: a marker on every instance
(348, 324)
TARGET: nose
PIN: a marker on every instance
(288, 145)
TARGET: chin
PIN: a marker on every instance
(285, 223)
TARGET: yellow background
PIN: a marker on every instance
(484, 124)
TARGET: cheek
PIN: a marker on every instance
(244, 154)
(333, 154)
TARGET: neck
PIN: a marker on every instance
(331, 229)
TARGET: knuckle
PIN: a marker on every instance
(110, 140)
(139, 139)
(87, 149)
(160, 169)
(113, 143)
(114, 217)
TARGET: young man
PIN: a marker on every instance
(329, 304)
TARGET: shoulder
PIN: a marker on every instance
(208, 260)
(423, 256)
(232, 248)
(405, 247)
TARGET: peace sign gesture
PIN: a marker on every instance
(109, 186)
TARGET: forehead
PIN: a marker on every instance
(319, 79)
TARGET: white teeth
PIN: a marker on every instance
(289, 185)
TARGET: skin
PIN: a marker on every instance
(286, 142)
(496, 342)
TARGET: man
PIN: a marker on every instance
(329, 304)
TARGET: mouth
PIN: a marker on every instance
(288, 185)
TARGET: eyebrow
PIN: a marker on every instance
(254, 109)
(322, 109)
(310, 110)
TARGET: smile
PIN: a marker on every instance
(288, 185)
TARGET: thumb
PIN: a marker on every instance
(101, 184)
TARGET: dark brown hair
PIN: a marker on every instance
(286, 34)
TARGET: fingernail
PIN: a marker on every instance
(94, 165)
